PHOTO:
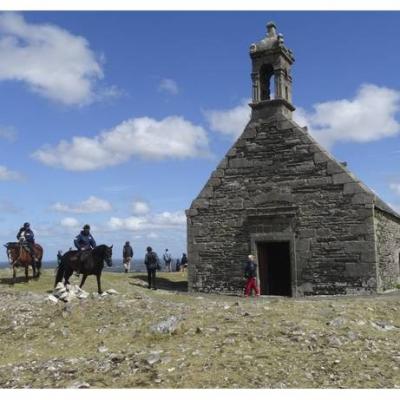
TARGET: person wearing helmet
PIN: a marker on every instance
(85, 241)
(27, 237)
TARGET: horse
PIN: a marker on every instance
(19, 256)
(88, 262)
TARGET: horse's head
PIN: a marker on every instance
(108, 255)
(12, 251)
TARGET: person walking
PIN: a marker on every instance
(167, 260)
(250, 273)
(184, 263)
(152, 263)
(59, 256)
(177, 265)
(127, 255)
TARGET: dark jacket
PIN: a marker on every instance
(127, 251)
(184, 260)
(28, 235)
(250, 270)
(151, 261)
(85, 242)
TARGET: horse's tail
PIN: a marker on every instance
(59, 273)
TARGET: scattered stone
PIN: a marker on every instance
(102, 349)
(337, 322)
(229, 340)
(334, 341)
(352, 336)
(68, 293)
(153, 358)
(382, 325)
(170, 325)
(52, 298)
(112, 291)
(80, 385)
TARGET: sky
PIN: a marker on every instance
(117, 119)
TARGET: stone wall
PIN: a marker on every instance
(277, 182)
(388, 249)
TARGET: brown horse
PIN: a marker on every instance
(19, 256)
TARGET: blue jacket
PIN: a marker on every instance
(85, 242)
(250, 270)
(28, 235)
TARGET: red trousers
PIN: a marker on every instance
(251, 284)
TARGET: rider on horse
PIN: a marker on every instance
(27, 237)
(84, 242)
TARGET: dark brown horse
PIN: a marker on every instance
(90, 262)
(19, 256)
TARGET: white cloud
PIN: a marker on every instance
(164, 220)
(9, 175)
(140, 207)
(91, 205)
(130, 223)
(169, 86)
(8, 133)
(170, 218)
(172, 137)
(152, 235)
(50, 60)
(369, 116)
(229, 122)
(69, 222)
(395, 187)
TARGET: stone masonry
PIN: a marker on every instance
(277, 183)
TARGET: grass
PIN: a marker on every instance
(221, 341)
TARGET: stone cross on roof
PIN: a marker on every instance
(272, 39)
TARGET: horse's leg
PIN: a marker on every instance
(84, 276)
(14, 279)
(33, 271)
(27, 273)
(68, 273)
(98, 283)
(38, 266)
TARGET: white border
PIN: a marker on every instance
(197, 5)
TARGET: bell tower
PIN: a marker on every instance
(272, 82)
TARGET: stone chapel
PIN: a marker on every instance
(314, 228)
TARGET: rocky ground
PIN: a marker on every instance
(139, 338)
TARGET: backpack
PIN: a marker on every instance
(152, 259)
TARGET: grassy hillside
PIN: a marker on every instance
(215, 341)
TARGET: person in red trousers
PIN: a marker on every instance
(250, 272)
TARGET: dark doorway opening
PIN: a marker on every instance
(274, 268)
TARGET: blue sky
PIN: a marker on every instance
(117, 119)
